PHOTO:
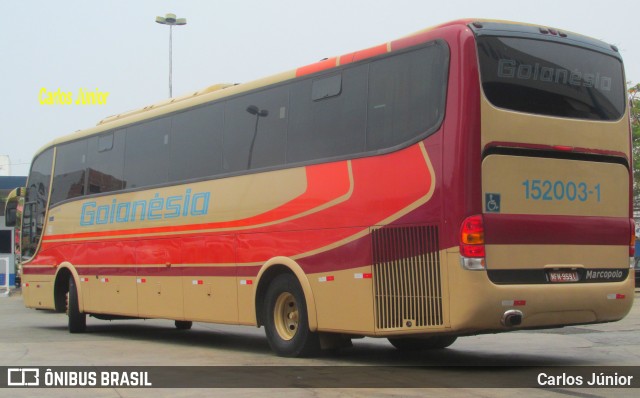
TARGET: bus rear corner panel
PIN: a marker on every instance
(479, 304)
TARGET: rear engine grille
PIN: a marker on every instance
(406, 273)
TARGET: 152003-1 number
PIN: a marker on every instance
(560, 190)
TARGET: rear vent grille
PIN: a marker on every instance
(406, 273)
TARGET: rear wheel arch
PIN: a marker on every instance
(269, 271)
(61, 287)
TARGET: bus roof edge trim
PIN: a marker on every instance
(206, 90)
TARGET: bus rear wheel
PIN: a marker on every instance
(77, 319)
(286, 319)
(417, 344)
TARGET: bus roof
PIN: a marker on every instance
(223, 90)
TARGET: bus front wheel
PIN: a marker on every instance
(287, 322)
(77, 319)
(416, 344)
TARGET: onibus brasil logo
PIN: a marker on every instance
(32, 377)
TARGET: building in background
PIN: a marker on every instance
(5, 165)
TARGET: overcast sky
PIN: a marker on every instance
(115, 46)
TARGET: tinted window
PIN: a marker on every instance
(551, 79)
(256, 130)
(406, 96)
(35, 206)
(69, 177)
(359, 109)
(105, 142)
(105, 158)
(330, 127)
(146, 155)
(5, 241)
(326, 87)
(196, 143)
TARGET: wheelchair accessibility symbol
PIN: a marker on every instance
(492, 202)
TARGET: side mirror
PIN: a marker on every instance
(10, 213)
(11, 209)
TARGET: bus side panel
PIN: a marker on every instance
(112, 293)
(338, 204)
(159, 282)
(37, 292)
(335, 272)
(461, 155)
(209, 278)
(107, 275)
(343, 300)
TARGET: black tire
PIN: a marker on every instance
(286, 319)
(417, 344)
(183, 325)
(77, 319)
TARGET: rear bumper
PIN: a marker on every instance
(478, 305)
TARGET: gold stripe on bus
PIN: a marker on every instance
(501, 125)
(551, 256)
(317, 209)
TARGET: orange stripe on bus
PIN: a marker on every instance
(363, 54)
(320, 218)
(317, 67)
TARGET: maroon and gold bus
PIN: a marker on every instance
(473, 177)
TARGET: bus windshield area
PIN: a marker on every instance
(549, 78)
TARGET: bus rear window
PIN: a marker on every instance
(549, 78)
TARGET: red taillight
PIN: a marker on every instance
(472, 237)
(472, 251)
(563, 148)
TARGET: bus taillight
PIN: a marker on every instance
(472, 243)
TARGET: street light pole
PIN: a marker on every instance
(171, 20)
(254, 110)
(170, 61)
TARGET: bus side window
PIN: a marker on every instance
(255, 130)
(146, 153)
(105, 163)
(196, 143)
(333, 125)
(69, 175)
(406, 93)
(326, 87)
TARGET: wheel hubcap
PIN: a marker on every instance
(285, 316)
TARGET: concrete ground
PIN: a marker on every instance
(40, 339)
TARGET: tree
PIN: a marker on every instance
(634, 101)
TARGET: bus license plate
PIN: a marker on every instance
(563, 276)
